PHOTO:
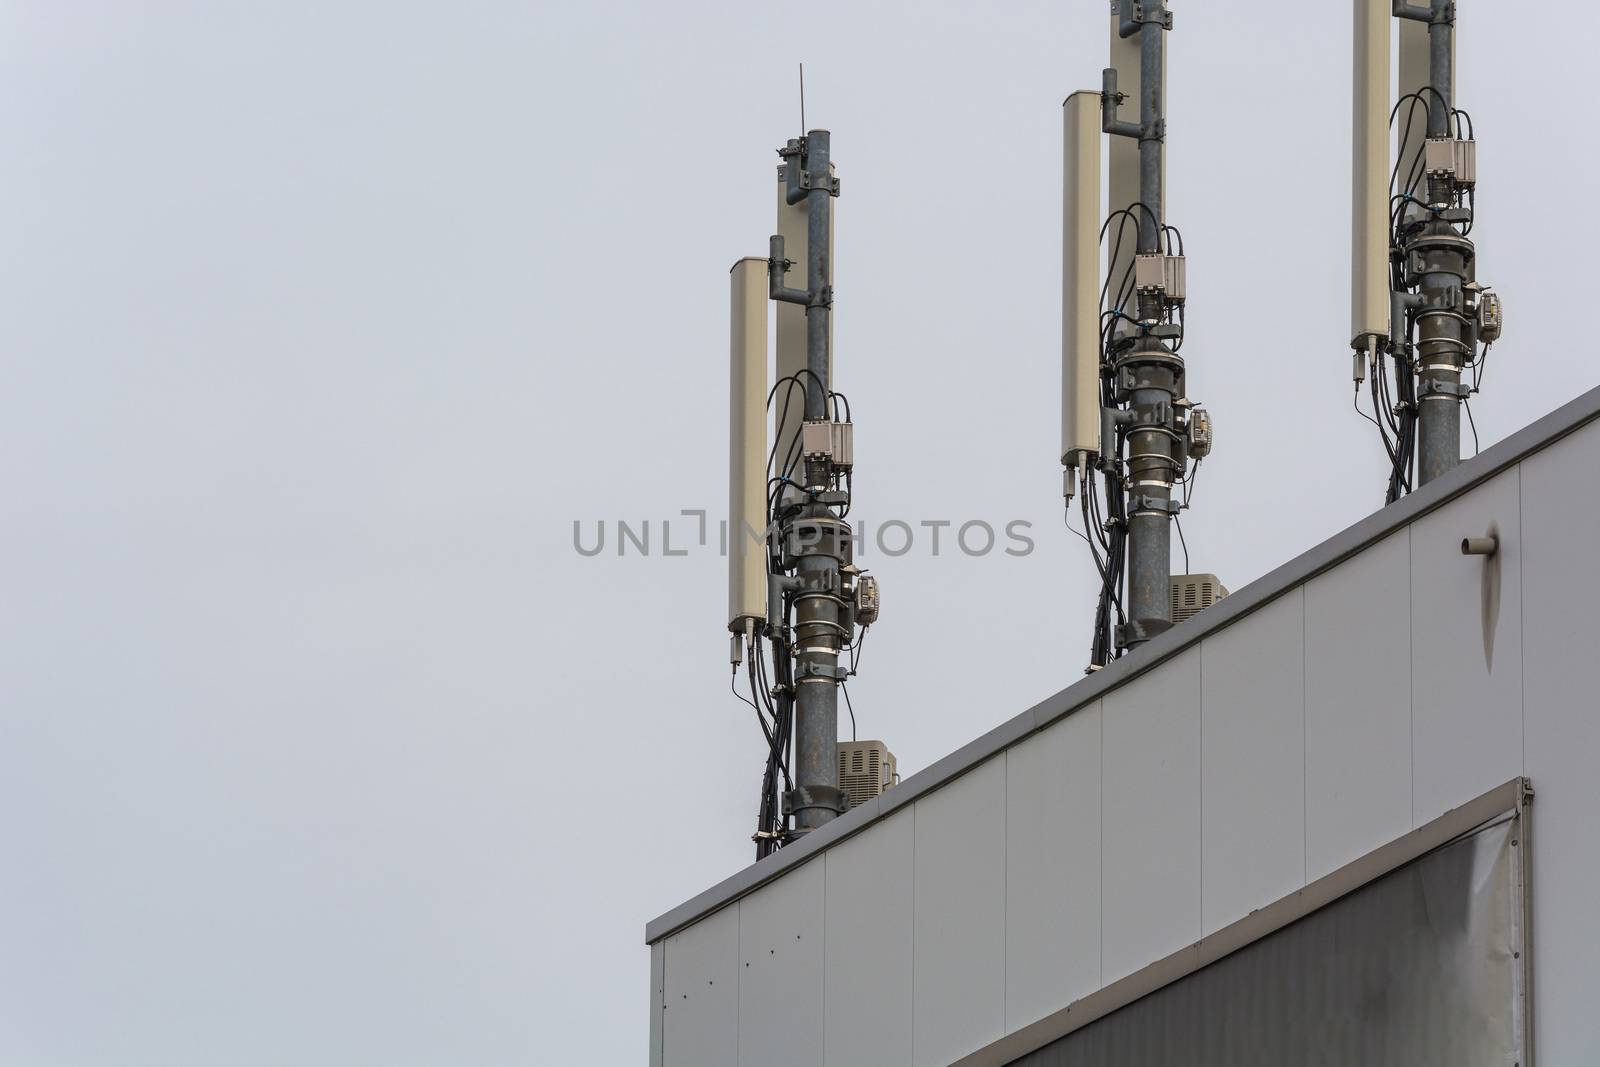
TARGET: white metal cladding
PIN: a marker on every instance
(1186, 745)
(1150, 817)
(700, 1009)
(1253, 826)
(1466, 649)
(780, 971)
(959, 968)
(658, 997)
(1052, 892)
(1358, 704)
(867, 1015)
(1561, 731)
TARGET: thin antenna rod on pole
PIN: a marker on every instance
(802, 98)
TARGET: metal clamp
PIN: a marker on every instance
(806, 669)
(1154, 11)
(822, 797)
(1430, 388)
(1137, 631)
(806, 184)
(1140, 502)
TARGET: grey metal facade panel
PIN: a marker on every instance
(1150, 835)
(1053, 867)
(1374, 528)
(948, 768)
(658, 994)
(1252, 761)
(867, 1013)
(1509, 799)
(1423, 965)
(1466, 649)
(700, 1019)
(1358, 705)
(749, 878)
(959, 917)
(1560, 591)
(781, 949)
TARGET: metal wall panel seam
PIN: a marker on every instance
(1411, 661)
(1522, 625)
(1305, 743)
(1005, 890)
(738, 986)
(911, 1024)
(822, 994)
(658, 1000)
(1522, 873)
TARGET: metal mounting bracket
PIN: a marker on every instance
(1432, 386)
(1140, 502)
(807, 669)
(816, 796)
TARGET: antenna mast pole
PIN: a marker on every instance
(814, 572)
(1148, 414)
(820, 540)
(806, 599)
(1151, 373)
(1445, 262)
(1412, 243)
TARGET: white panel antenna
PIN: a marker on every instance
(747, 453)
(1080, 285)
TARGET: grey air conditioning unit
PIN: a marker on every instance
(866, 768)
(1193, 593)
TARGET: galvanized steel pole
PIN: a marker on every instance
(1150, 374)
(816, 540)
(1446, 263)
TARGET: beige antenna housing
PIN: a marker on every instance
(1080, 280)
(1369, 225)
(791, 318)
(747, 446)
(1373, 159)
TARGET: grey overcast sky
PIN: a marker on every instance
(321, 324)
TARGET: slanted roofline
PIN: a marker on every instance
(1375, 527)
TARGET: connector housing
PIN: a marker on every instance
(1165, 275)
(869, 600)
(1491, 317)
(1452, 158)
(1201, 433)
(833, 441)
